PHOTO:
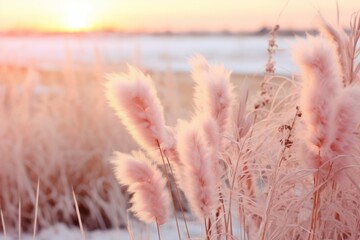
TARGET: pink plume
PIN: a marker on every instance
(211, 135)
(243, 122)
(213, 91)
(210, 130)
(339, 39)
(347, 119)
(320, 87)
(151, 200)
(134, 99)
(198, 182)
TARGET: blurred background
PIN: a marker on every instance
(158, 35)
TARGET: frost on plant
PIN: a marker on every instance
(290, 174)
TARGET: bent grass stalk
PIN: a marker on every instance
(178, 197)
(19, 219)
(234, 175)
(316, 199)
(315, 208)
(207, 229)
(36, 207)
(78, 216)
(129, 229)
(158, 229)
(3, 223)
(217, 214)
(287, 144)
(169, 187)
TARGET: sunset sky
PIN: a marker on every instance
(167, 15)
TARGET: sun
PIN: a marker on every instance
(75, 21)
(77, 17)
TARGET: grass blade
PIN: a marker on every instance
(3, 223)
(36, 207)
(78, 216)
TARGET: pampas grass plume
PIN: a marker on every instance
(242, 122)
(150, 201)
(320, 87)
(198, 182)
(213, 91)
(211, 135)
(210, 130)
(339, 38)
(346, 121)
(134, 99)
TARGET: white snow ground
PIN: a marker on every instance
(240, 54)
(140, 232)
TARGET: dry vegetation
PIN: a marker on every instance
(287, 169)
(57, 129)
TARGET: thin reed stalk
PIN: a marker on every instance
(129, 229)
(220, 208)
(178, 197)
(207, 227)
(158, 229)
(36, 208)
(19, 220)
(232, 186)
(3, 223)
(234, 175)
(315, 207)
(78, 216)
(287, 143)
(169, 188)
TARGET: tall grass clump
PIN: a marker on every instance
(286, 169)
(57, 135)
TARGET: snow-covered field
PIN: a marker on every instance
(242, 54)
(139, 231)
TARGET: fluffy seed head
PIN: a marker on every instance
(343, 147)
(150, 201)
(213, 91)
(198, 182)
(320, 86)
(134, 99)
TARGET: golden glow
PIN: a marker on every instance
(76, 16)
(168, 15)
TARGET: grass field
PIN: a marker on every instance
(255, 157)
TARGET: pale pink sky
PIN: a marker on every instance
(172, 15)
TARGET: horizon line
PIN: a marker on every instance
(262, 31)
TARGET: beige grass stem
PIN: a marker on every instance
(178, 198)
(3, 223)
(315, 208)
(19, 219)
(36, 208)
(207, 227)
(158, 229)
(234, 174)
(129, 229)
(78, 216)
(169, 187)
